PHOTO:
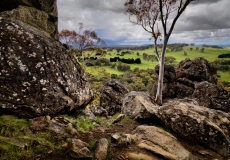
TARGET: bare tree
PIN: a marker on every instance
(83, 39)
(157, 17)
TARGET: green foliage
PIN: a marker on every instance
(100, 120)
(129, 79)
(84, 124)
(123, 67)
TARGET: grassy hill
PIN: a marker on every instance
(211, 54)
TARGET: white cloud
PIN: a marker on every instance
(207, 20)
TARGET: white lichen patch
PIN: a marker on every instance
(44, 89)
(10, 28)
(20, 32)
(30, 35)
(10, 50)
(43, 82)
(22, 67)
(60, 80)
(38, 65)
(34, 79)
(32, 55)
(19, 47)
(3, 106)
(42, 69)
(15, 94)
(68, 82)
(25, 84)
(4, 71)
(38, 46)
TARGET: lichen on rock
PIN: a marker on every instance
(40, 72)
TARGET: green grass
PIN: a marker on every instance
(17, 141)
(84, 124)
(211, 54)
(224, 76)
(11, 126)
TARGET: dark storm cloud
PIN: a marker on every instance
(102, 5)
(203, 20)
(205, 16)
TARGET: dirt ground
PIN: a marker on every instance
(117, 151)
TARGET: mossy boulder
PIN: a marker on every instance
(48, 6)
(41, 14)
(33, 17)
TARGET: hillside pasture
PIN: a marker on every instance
(211, 54)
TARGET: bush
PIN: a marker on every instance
(227, 55)
(123, 67)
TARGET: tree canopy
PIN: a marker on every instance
(83, 39)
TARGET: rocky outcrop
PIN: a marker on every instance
(38, 76)
(138, 105)
(210, 128)
(41, 14)
(194, 79)
(111, 96)
(212, 96)
(197, 70)
(160, 143)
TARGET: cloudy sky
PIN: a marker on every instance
(207, 22)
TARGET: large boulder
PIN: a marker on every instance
(212, 96)
(138, 106)
(33, 17)
(38, 13)
(197, 70)
(112, 95)
(38, 75)
(48, 6)
(208, 127)
(160, 143)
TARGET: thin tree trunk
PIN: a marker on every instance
(160, 83)
(158, 98)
